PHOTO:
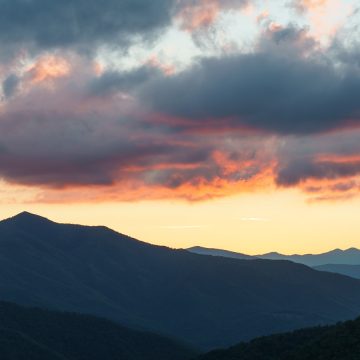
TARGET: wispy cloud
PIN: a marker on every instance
(181, 227)
(255, 219)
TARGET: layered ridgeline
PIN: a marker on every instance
(350, 257)
(202, 300)
(346, 262)
(218, 252)
(35, 334)
(345, 269)
(337, 342)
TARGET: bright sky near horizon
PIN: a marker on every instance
(251, 223)
(231, 124)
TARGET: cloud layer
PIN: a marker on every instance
(284, 113)
(279, 88)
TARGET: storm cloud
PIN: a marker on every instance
(81, 23)
(299, 171)
(266, 91)
(112, 82)
(286, 87)
(55, 135)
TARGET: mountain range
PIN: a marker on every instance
(346, 262)
(205, 301)
(349, 257)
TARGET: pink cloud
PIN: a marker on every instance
(326, 17)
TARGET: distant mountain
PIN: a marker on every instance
(338, 342)
(349, 270)
(207, 301)
(35, 334)
(342, 257)
(217, 252)
(350, 257)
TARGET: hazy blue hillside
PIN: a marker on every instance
(204, 300)
(35, 334)
(349, 270)
(338, 342)
(217, 252)
(337, 257)
(350, 257)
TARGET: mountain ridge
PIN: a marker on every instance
(226, 253)
(206, 301)
(344, 269)
(350, 256)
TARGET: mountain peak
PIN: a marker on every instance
(25, 214)
(272, 253)
(353, 250)
(26, 217)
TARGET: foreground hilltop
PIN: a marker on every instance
(338, 342)
(206, 301)
(36, 334)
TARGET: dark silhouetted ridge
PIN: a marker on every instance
(36, 334)
(27, 218)
(337, 342)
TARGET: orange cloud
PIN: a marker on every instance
(336, 186)
(49, 67)
(199, 189)
(98, 68)
(167, 69)
(274, 26)
(202, 14)
(231, 166)
(334, 158)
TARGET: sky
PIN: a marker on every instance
(222, 123)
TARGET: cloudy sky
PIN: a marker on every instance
(223, 123)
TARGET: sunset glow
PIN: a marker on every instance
(230, 124)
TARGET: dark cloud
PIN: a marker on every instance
(68, 138)
(91, 167)
(10, 85)
(49, 24)
(280, 88)
(345, 186)
(322, 163)
(298, 171)
(337, 187)
(338, 191)
(83, 154)
(112, 82)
